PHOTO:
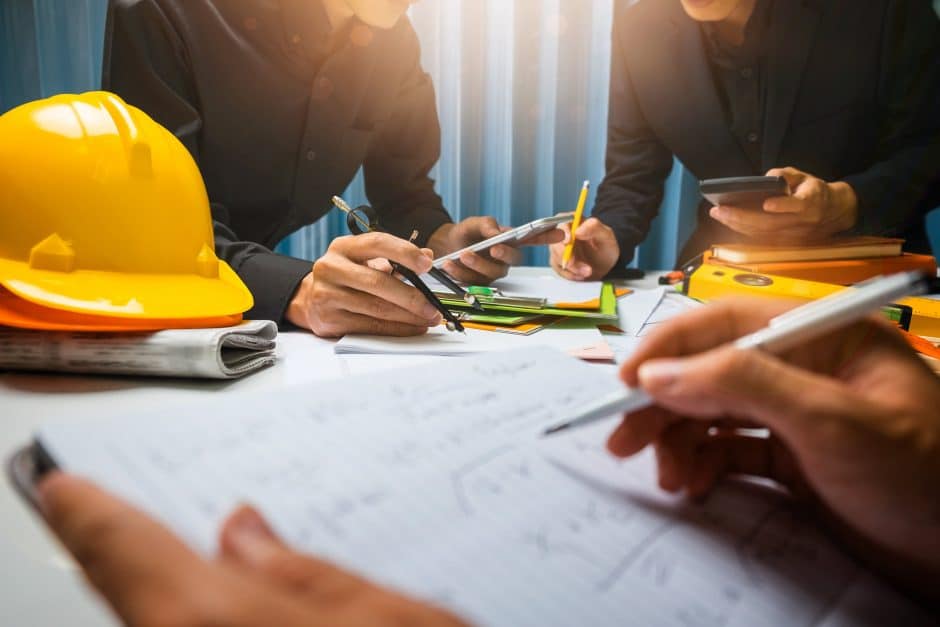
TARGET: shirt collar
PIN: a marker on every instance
(307, 28)
(755, 36)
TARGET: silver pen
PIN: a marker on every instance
(786, 331)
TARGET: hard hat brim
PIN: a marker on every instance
(129, 296)
(22, 314)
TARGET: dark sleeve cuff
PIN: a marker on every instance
(426, 221)
(868, 190)
(428, 224)
(626, 240)
(272, 280)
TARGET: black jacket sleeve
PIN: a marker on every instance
(891, 192)
(146, 63)
(637, 162)
(405, 149)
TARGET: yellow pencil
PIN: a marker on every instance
(575, 223)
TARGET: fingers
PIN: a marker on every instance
(477, 269)
(758, 222)
(808, 199)
(792, 176)
(464, 274)
(591, 229)
(574, 270)
(795, 404)
(545, 239)
(638, 430)
(595, 251)
(369, 282)
(484, 266)
(247, 540)
(507, 255)
(486, 226)
(346, 322)
(675, 453)
(371, 306)
(136, 563)
(362, 248)
(691, 457)
(704, 328)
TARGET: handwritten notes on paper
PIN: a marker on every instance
(433, 480)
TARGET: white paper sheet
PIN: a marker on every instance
(432, 481)
(440, 341)
(642, 311)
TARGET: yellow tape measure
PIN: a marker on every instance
(708, 282)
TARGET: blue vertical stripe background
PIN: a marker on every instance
(522, 97)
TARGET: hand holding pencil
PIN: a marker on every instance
(589, 250)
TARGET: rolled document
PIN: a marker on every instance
(221, 353)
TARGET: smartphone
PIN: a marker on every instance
(744, 192)
(511, 237)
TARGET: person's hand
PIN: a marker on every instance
(595, 251)
(352, 290)
(853, 418)
(813, 211)
(485, 267)
(150, 578)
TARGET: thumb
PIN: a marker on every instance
(792, 176)
(488, 227)
(134, 561)
(590, 229)
(247, 539)
(752, 384)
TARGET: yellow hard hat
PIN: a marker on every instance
(103, 211)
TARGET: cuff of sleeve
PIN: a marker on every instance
(272, 280)
(427, 225)
(867, 190)
(626, 241)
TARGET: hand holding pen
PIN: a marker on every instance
(350, 289)
(363, 221)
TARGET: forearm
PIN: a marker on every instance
(272, 279)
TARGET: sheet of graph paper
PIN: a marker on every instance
(433, 481)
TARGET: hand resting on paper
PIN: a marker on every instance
(855, 430)
(351, 289)
(150, 578)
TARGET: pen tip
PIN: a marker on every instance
(556, 429)
(587, 183)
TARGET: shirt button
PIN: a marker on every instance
(311, 155)
(747, 73)
(752, 137)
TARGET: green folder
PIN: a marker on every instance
(607, 311)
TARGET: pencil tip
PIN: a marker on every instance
(555, 429)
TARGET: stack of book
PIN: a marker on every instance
(843, 261)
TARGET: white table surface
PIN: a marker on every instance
(39, 584)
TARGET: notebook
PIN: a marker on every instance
(844, 248)
(432, 480)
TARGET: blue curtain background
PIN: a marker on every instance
(522, 96)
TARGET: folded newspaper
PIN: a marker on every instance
(220, 353)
